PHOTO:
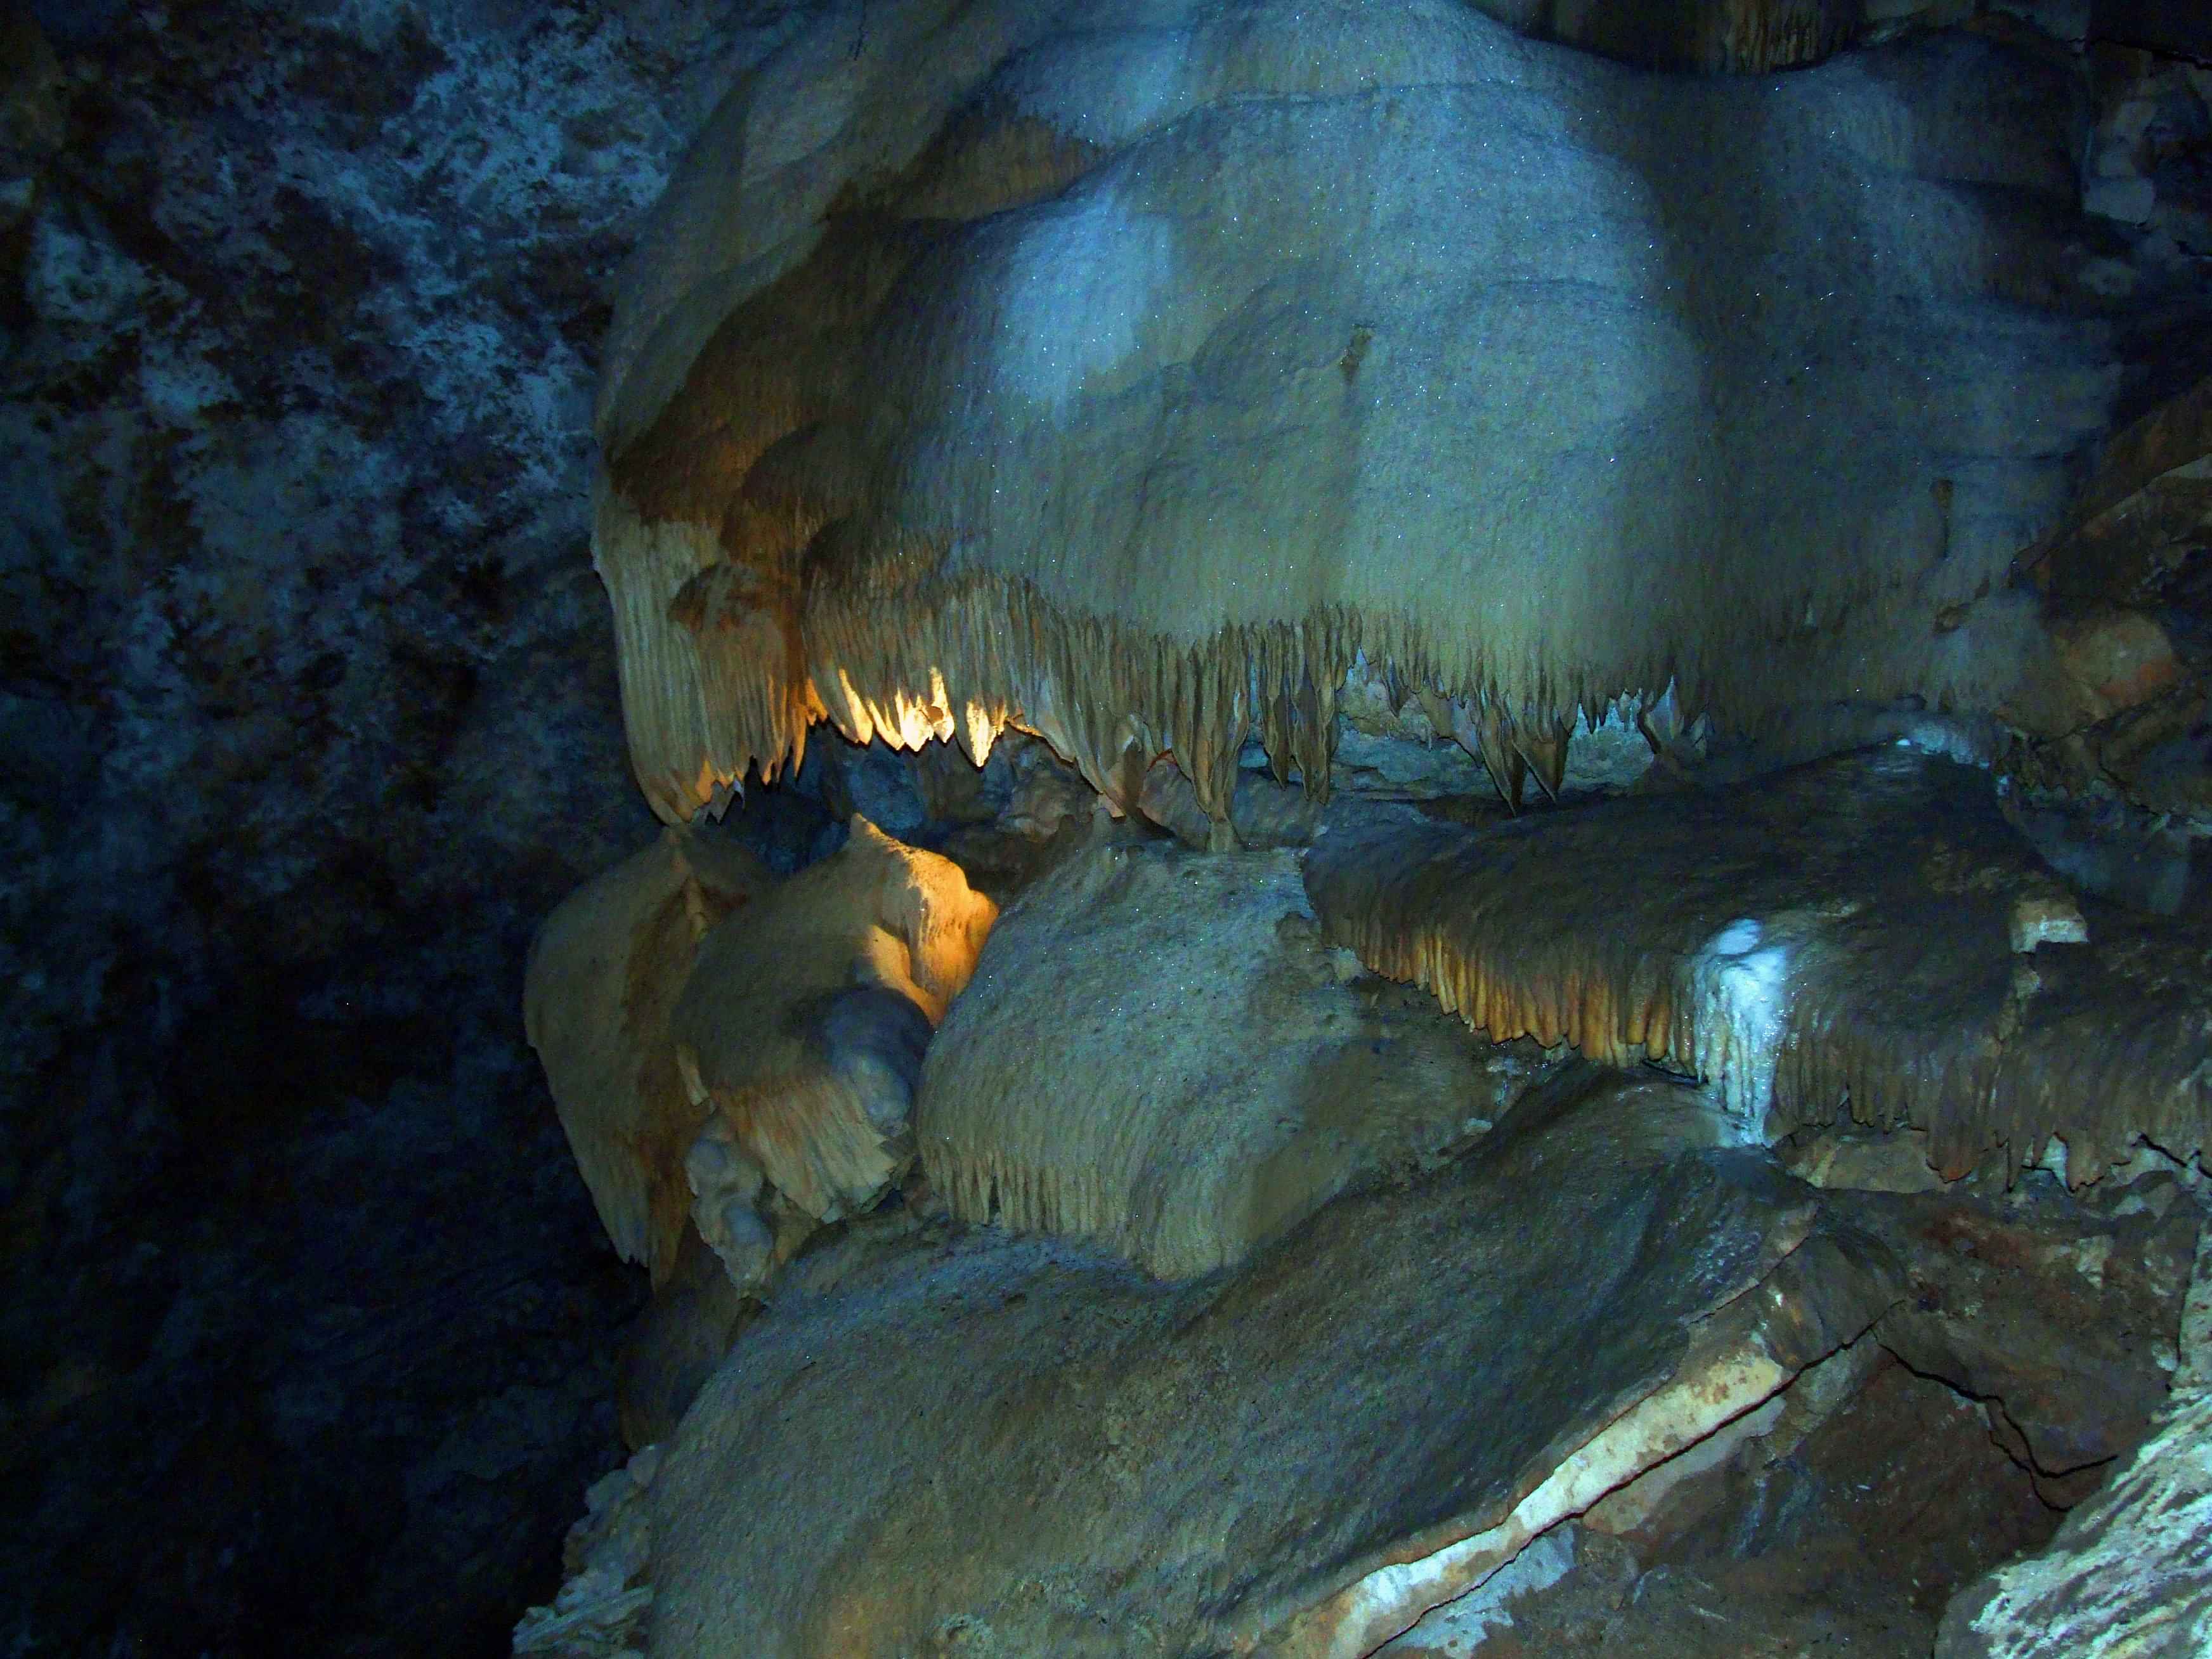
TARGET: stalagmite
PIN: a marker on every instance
(604, 973)
(1125, 375)
(1864, 934)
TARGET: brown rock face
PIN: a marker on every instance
(2117, 660)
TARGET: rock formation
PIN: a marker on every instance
(1159, 1054)
(804, 1026)
(706, 1030)
(1865, 934)
(2130, 1571)
(1079, 1462)
(1129, 373)
(1388, 402)
(604, 975)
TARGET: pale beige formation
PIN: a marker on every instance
(1159, 1052)
(604, 973)
(804, 1023)
(1126, 371)
(1865, 936)
(708, 1032)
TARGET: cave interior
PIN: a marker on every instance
(1106, 827)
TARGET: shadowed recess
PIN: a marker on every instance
(1866, 934)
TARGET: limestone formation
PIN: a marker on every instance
(708, 1032)
(604, 973)
(1126, 372)
(1865, 934)
(1158, 1054)
(1007, 1447)
(804, 1023)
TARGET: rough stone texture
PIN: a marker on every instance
(306, 714)
(2130, 1575)
(1866, 934)
(1011, 1449)
(1159, 1054)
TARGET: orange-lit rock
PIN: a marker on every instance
(2116, 660)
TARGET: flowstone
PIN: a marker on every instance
(805, 1022)
(1866, 934)
(719, 1043)
(1125, 373)
(1157, 1052)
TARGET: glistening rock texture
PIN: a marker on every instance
(1134, 368)
(306, 717)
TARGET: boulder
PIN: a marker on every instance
(1158, 1054)
(1012, 1448)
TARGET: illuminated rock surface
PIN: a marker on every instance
(1157, 1052)
(605, 972)
(1130, 370)
(805, 1018)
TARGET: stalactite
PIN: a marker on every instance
(1837, 938)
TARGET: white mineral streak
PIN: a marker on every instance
(1461, 1626)
(1739, 1002)
(1700, 1401)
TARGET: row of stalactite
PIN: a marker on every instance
(1976, 1086)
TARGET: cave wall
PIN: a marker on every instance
(307, 716)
